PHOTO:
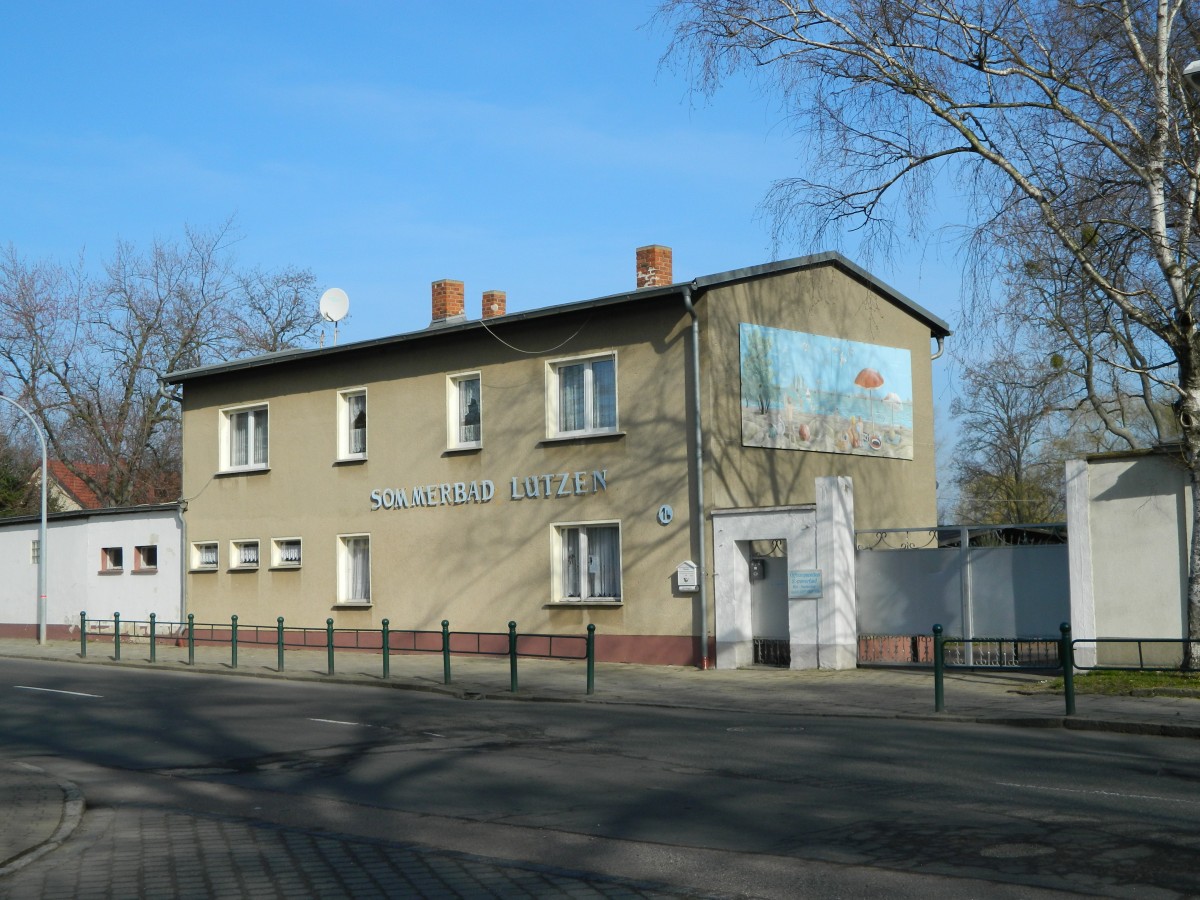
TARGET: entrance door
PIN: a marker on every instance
(769, 605)
(749, 608)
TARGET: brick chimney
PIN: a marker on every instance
(447, 302)
(653, 266)
(494, 304)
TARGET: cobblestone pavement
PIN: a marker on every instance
(130, 852)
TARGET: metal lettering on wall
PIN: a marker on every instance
(549, 486)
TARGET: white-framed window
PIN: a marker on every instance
(285, 553)
(203, 556)
(464, 411)
(112, 559)
(243, 554)
(243, 438)
(581, 396)
(588, 562)
(352, 424)
(354, 568)
(145, 558)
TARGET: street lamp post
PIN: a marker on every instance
(41, 576)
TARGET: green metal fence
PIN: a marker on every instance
(1121, 654)
(385, 641)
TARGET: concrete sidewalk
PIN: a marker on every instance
(48, 810)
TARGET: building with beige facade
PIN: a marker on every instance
(655, 463)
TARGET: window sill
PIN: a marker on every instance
(559, 604)
(581, 437)
(350, 461)
(146, 571)
(291, 568)
(353, 604)
(203, 569)
(242, 569)
(248, 470)
(111, 572)
(463, 449)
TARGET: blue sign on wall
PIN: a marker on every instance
(804, 584)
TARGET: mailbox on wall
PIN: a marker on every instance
(687, 576)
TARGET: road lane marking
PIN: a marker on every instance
(337, 722)
(1117, 794)
(25, 687)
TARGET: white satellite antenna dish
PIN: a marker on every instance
(334, 306)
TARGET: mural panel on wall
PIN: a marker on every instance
(810, 392)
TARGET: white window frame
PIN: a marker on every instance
(235, 554)
(277, 560)
(454, 412)
(197, 563)
(554, 424)
(140, 556)
(344, 425)
(253, 411)
(112, 559)
(560, 590)
(344, 573)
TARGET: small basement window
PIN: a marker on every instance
(145, 558)
(112, 559)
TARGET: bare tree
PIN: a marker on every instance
(1009, 466)
(1066, 119)
(85, 353)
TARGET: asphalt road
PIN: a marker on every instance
(210, 786)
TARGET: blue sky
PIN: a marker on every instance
(522, 146)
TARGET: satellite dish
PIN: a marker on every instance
(334, 306)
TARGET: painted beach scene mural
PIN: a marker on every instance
(830, 395)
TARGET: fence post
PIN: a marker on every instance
(387, 662)
(233, 641)
(83, 633)
(591, 659)
(279, 641)
(191, 639)
(117, 636)
(1067, 655)
(329, 643)
(512, 656)
(939, 671)
(153, 656)
(445, 651)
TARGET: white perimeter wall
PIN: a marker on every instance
(73, 579)
(1129, 520)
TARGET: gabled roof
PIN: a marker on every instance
(937, 327)
(74, 486)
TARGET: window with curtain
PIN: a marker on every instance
(245, 554)
(586, 396)
(468, 411)
(358, 423)
(286, 552)
(354, 563)
(204, 555)
(352, 424)
(590, 564)
(246, 438)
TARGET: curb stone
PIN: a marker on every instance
(72, 813)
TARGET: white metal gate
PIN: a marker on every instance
(996, 582)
